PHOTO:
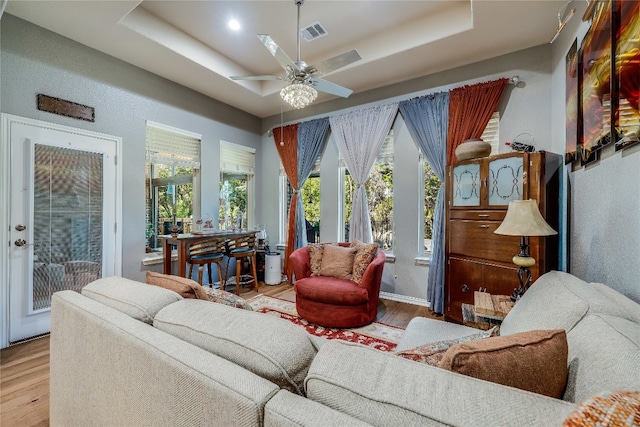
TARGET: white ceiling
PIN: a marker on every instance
(189, 42)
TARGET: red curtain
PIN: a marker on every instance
(286, 139)
(470, 109)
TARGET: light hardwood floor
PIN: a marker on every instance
(24, 368)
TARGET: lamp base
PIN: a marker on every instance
(524, 277)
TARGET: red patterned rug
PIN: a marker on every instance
(376, 335)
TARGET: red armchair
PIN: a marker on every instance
(333, 302)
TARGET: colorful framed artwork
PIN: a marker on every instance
(626, 118)
(572, 104)
(595, 83)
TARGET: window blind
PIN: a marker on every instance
(491, 133)
(235, 158)
(172, 146)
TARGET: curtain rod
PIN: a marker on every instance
(515, 80)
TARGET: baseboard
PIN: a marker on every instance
(405, 299)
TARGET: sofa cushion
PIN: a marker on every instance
(629, 309)
(432, 353)
(422, 330)
(557, 300)
(265, 345)
(535, 361)
(604, 355)
(337, 261)
(136, 299)
(364, 255)
(187, 288)
(330, 290)
(385, 390)
(619, 409)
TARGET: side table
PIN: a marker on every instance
(487, 310)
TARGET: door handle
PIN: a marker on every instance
(20, 242)
(464, 288)
(20, 227)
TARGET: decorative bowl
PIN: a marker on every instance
(473, 149)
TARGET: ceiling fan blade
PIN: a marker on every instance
(256, 77)
(278, 53)
(332, 88)
(335, 63)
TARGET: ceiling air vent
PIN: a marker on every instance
(313, 31)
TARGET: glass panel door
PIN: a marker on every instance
(67, 221)
(466, 185)
(505, 180)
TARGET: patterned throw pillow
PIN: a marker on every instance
(364, 255)
(620, 409)
(227, 298)
(315, 257)
(432, 353)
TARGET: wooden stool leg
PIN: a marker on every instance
(190, 271)
(209, 271)
(200, 267)
(253, 270)
(238, 268)
(220, 275)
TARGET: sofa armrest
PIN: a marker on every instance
(385, 389)
(300, 263)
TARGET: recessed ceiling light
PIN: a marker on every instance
(234, 25)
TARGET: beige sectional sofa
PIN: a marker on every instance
(129, 354)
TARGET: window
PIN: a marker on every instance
(237, 168)
(432, 183)
(379, 188)
(172, 180)
(310, 194)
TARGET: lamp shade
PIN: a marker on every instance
(523, 218)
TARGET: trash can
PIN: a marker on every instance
(272, 268)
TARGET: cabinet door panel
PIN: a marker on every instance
(466, 185)
(465, 277)
(500, 280)
(477, 239)
(505, 180)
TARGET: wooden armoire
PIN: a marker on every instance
(478, 193)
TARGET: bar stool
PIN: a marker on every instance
(242, 248)
(205, 253)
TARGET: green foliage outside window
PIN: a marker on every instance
(431, 187)
(379, 189)
(233, 200)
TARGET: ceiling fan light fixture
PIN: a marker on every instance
(298, 95)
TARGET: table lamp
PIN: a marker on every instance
(524, 219)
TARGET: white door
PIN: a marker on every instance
(63, 212)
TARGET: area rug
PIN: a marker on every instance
(376, 335)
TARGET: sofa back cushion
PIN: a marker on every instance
(267, 346)
(556, 300)
(136, 299)
(629, 309)
(604, 355)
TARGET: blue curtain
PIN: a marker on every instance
(427, 120)
(312, 137)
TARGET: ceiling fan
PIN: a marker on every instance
(302, 76)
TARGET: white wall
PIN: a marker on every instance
(34, 60)
(603, 199)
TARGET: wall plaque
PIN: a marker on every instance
(65, 108)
